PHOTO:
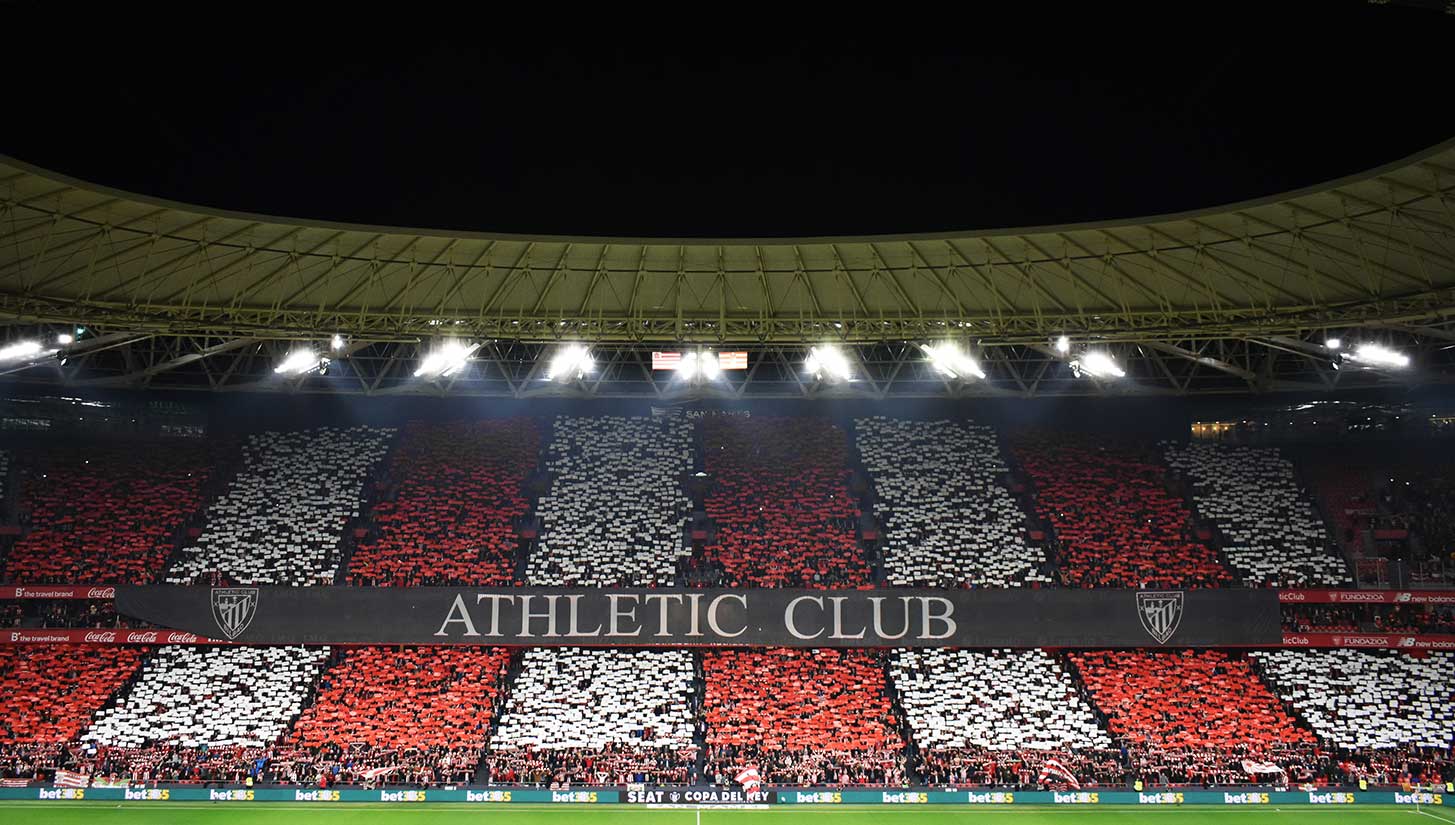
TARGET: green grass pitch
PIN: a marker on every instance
(283, 813)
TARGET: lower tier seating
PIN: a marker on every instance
(106, 513)
(211, 696)
(995, 700)
(801, 716)
(781, 503)
(1189, 701)
(455, 496)
(574, 713)
(400, 698)
(52, 693)
(1374, 699)
(1117, 524)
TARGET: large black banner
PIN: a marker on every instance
(672, 617)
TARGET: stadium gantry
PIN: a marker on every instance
(1234, 299)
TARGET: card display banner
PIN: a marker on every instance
(542, 616)
(1367, 596)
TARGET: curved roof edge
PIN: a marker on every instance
(1201, 212)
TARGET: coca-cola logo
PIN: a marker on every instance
(142, 638)
(1291, 596)
(106, 636)
(182, 638)
(101, 593)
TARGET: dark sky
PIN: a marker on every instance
(1015, 118)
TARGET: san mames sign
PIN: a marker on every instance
(684, 617)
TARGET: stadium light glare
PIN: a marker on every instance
(571, 362)
(1333, 343)
(828, 360)
(1063, 345)
(948, 360)
(448, 357)
(336, 343)
(711, 369)
(19, 350)
(1097, 365)
(65, 339)
(1375, 355)
(299, 361)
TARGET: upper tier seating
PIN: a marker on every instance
(1375, 699)
(412, 697)
(107, 513)
(211, 696)
(1271, 534)
(282, 518)
(781, 503)
(1117, 524)
(616, 512)
(996, 699)
(1191, 700)
(801, 715)
(574, 713)
(51, 693)
(452, 517)
(948, 520)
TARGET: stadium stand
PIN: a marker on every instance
(453, 503)
(781, 503)
(1192, 715)
(211, 696)
(1116, 523)
(587, 716)
(1271, 534)
(106, 513)
(53, 692)
(998, 699)
(948, 520)
(281, 519)
(421, 710)
(801, 716)
(616, 512)
(1367, 699)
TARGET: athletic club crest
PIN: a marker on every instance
(1160, 612)
(234, 608)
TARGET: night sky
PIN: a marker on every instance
(1013, 118)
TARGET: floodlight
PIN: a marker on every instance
(571, 362)
(1375, 355)
(447, 358)
(65, 339)
(1333, 343)
(1098, 365)
(337, 343)
(298, 362)
(948, 360)
(19, 350)
(828, 360)
(1063, 345)
(711, 369)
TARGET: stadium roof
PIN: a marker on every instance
(1375, 250)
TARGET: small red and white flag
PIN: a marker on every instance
(375, 773)
(750, 780)
(732, 360)
(14, 783)
(1052, 771)
(68, 779)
